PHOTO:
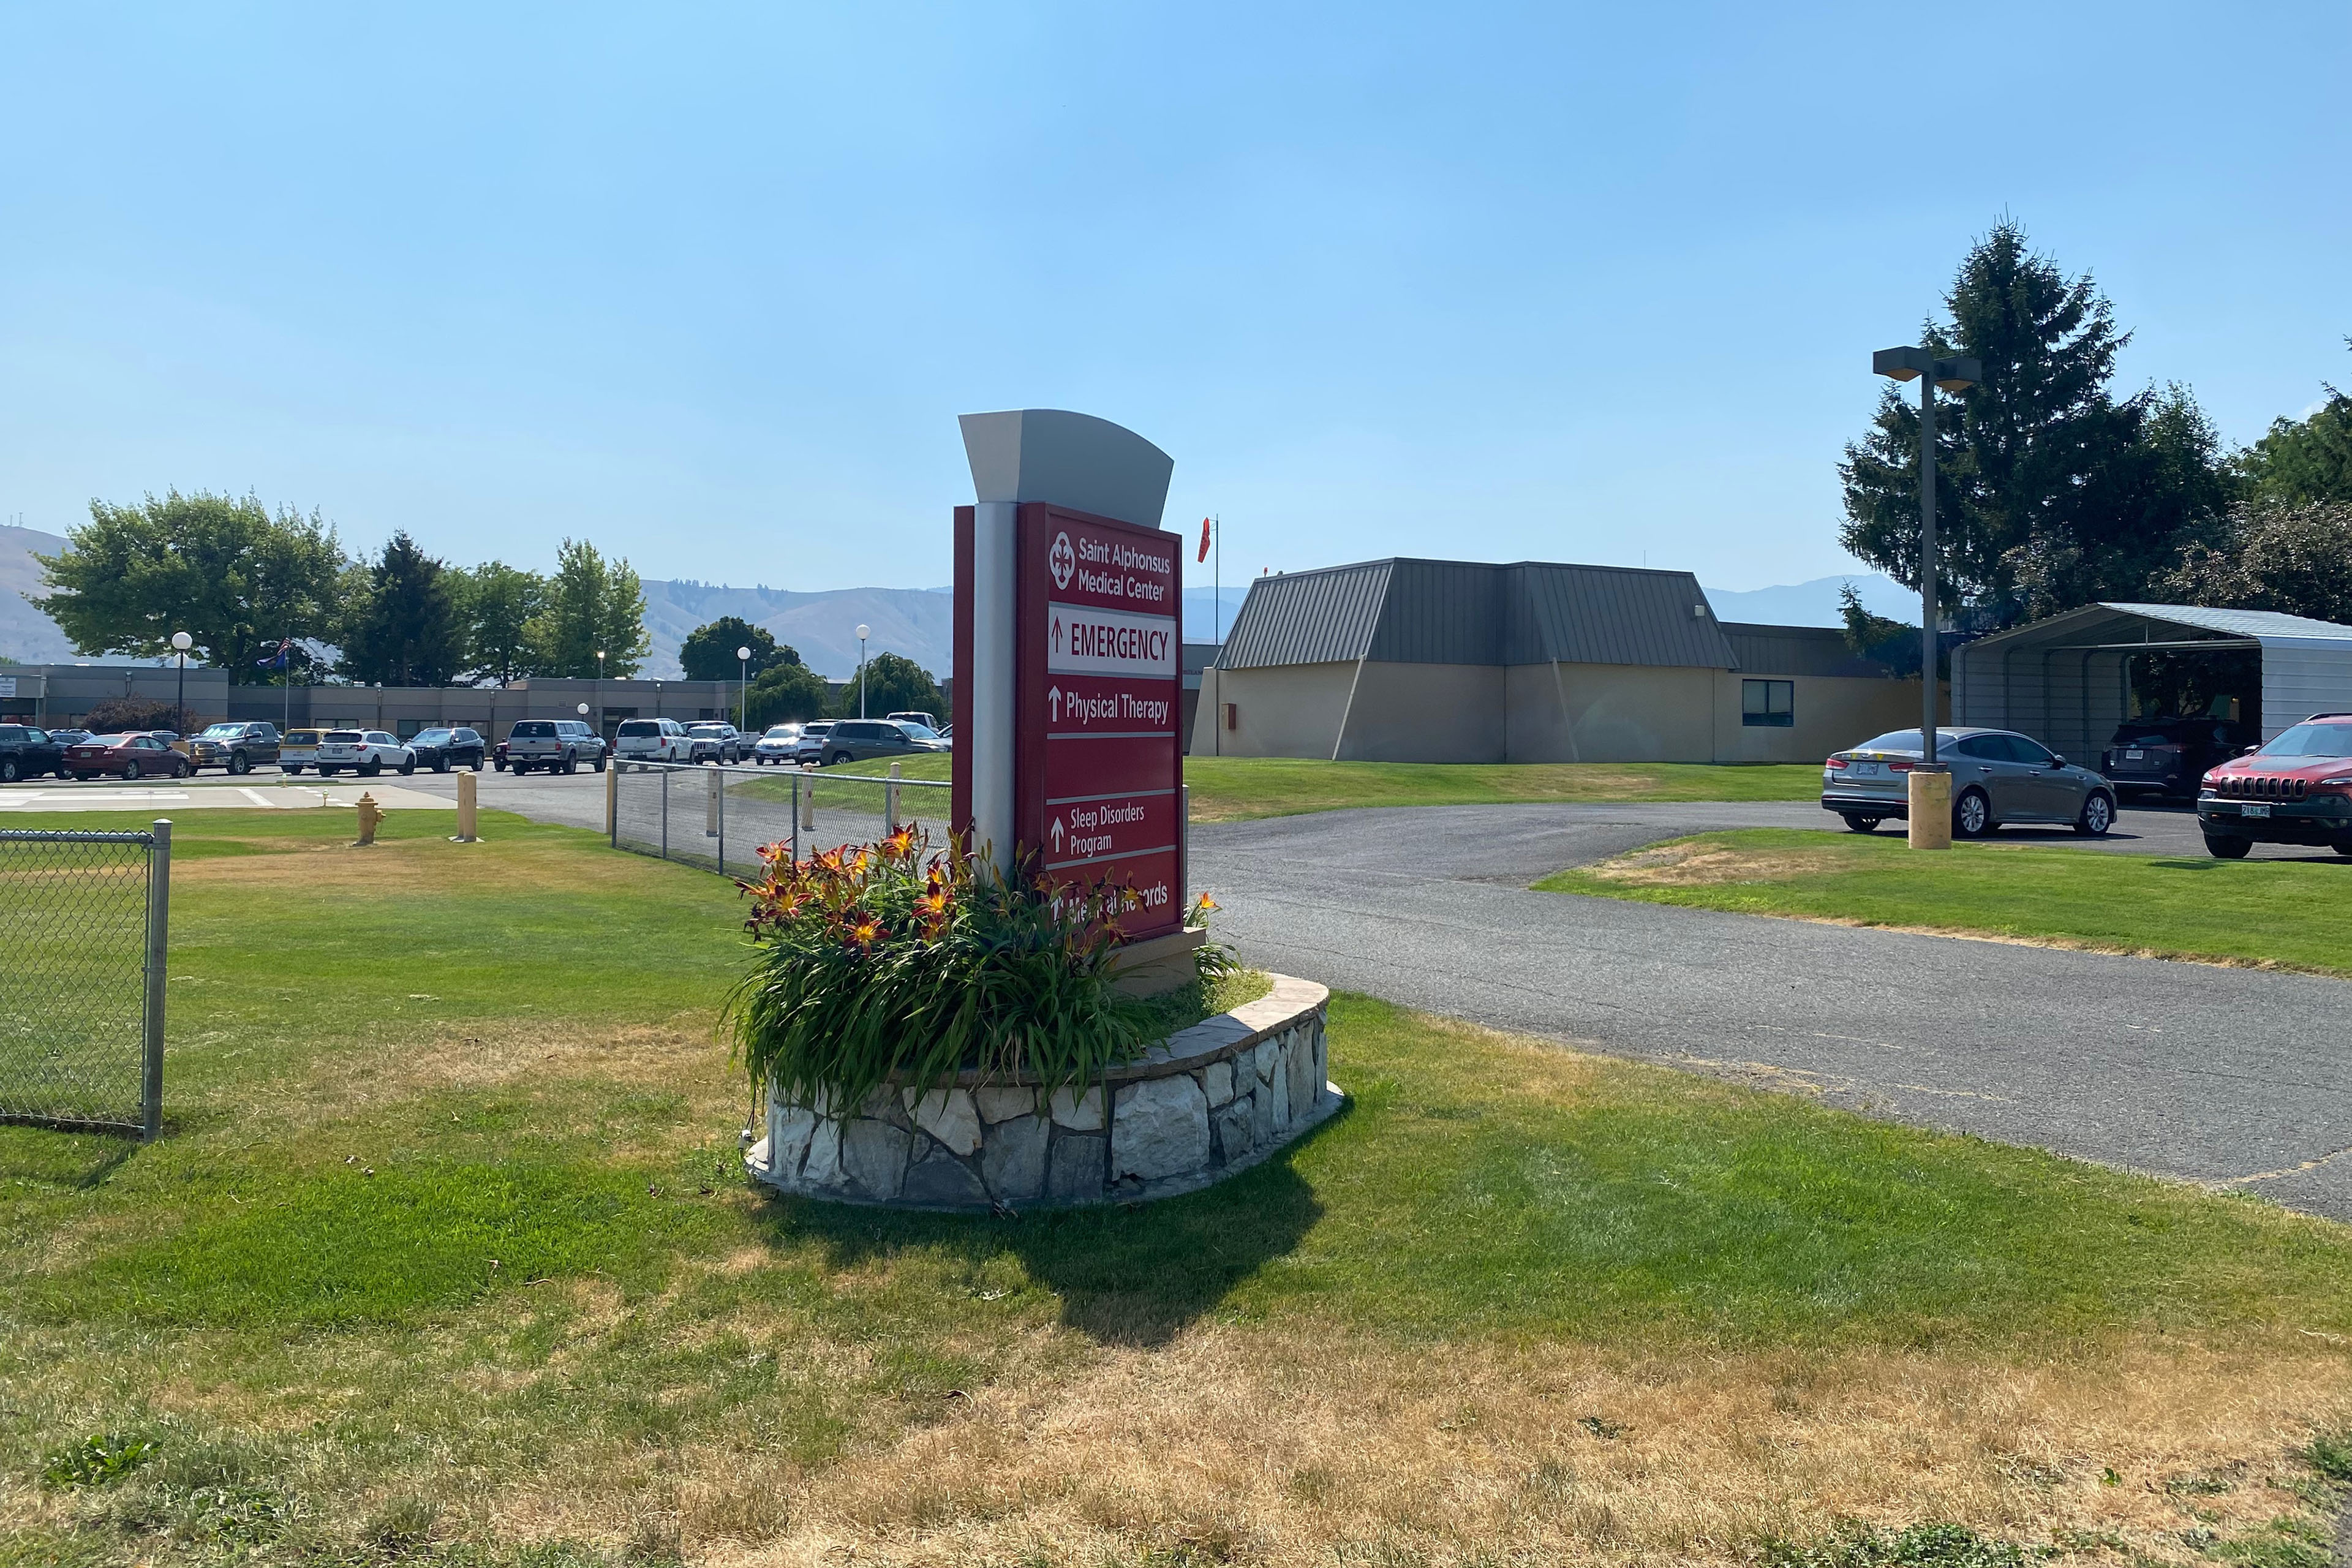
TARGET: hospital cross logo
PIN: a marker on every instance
(1064, 560)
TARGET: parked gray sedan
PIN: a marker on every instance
(1997, 775)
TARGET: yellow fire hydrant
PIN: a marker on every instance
(370, 814)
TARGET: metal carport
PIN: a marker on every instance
(2067, 680)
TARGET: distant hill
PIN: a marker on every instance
(917, 623)
(27, 636)
(1815, 603)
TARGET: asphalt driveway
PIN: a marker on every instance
(2190, 1070)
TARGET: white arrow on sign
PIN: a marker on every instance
(1057, 634)
(1054, 696)
(1056, 836)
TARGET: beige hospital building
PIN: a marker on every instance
(1457, 661)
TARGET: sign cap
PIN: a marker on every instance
(1068, 459)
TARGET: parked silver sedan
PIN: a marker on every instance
(1997, 775)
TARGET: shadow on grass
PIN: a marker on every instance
(67, 1159)
(1127, 1274)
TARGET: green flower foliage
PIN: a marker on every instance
(886, 963)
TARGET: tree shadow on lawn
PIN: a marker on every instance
(1128, 1274)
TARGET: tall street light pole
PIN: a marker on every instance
(181, 643)
(863, 632)
(743, 687)
(1955, 374)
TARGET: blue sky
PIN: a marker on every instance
(708, 286)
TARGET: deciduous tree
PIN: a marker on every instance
(219, 568)
(894, 683)
(786, 692)
(2307, 460)
(591, 605)
(497, 602)
(708, 651)
(2273, 556)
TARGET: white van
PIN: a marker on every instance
(652, 740)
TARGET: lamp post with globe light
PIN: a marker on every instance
(181, 643)
(743, 689)
(864, 631)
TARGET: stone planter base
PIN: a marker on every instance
(1210, 1101)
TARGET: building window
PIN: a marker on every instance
(1773, 703)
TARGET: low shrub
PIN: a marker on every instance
(96, 1460)
(887, 962)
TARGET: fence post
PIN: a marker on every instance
(613, 801)
(890, 800)
(796, 817)
(665, 811)
(710, 806)
(719, 789)
(159, 952)
(807, 797)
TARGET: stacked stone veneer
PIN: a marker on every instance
(1211, 1100)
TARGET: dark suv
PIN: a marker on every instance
(442, 749)
(2167, 757)
(859, 740)
(2294, 789)
(26, 753)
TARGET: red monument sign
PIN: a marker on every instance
(1096, 759)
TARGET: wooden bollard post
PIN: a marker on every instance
(710, 803)
(808, 796)
(466, 819)
(370, 814)
(890, 799)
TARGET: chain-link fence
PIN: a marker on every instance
(717, 818)
(84, 925)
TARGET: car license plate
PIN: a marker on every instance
(1866, 769)
(2254, 810)
(2134, 756)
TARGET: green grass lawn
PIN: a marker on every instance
(448, 1258)
(1231, 789)
(2201, 908)
(1227, 789)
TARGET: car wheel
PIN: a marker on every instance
(370, 770)
(328, 773)
(408, 767)
(837, 758)
(2227, 849)
(1971, 815)
(1857, 823)
(2342, 847)
(129, 771)
(599, 763)
(441, 764)
(84, 778)
(500, 765)
(290, 770)
(7, 770)
(2098, 816)
(239, 764)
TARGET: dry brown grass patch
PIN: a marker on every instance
(1276, 1448)
(1697, 863)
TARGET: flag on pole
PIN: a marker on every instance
(279, 660)
(1204, 543)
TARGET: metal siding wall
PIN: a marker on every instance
(2300, 677)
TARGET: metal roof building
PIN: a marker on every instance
(2068, 680)
(1414, 660)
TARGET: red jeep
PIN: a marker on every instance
(2294, 789)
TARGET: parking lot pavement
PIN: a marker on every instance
(267, 791)
(2190, 1070)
